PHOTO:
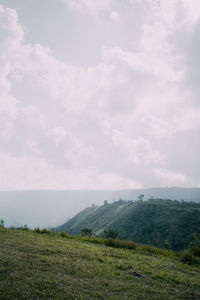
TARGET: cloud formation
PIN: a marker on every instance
(131, 121)
(92, 7)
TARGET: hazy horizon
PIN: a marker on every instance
(101, 190)
(46, 208)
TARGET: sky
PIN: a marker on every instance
(99, 94)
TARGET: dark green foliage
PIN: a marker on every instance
(110, 233)
(161, 223)
(188, 258)
(1, 223)
(25, 227)
(192, 255)
(86, 231)
(195, 249)
(141, 197)
(43, 230)
(64, 234)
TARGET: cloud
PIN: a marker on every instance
(170, 177)
(93, 7)
(114, 15)
(130, 121)
(10, 38)
(58, 134)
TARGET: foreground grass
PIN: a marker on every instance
(51, 266)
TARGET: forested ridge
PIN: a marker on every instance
(157, 222)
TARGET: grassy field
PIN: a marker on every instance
(51, 266)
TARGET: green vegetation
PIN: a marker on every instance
(120, 244)
(161, 223)
(111, 234)
(86, 231)
(1, 223)
(49, 265)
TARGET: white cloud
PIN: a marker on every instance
(33, 115)
(58, 134)
(171, 177)
(92, 7)
(118, 124)
(10, 38)
(114, 15)
(191, 10)
(32, 146)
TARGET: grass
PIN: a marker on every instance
(59, 266)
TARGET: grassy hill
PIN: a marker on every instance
(59, 266)
(162, 223)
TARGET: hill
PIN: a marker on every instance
(162, 223)
(58, 266)
(53, 207)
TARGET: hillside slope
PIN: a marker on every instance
(162, 223)
(52, 207)
(48, 266)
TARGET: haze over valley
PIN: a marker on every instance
(51, 208)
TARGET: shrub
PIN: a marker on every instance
(92, 239)
(43, 230)
(195, 249)
(189, 259)
(111, 234)
(25, 227)
(120, 244)
(86, 231)
(64, 234)
(1, 223)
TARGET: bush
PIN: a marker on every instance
(195, 249)
(25, 227)
(188, 258)
(120, 244)
(43, 230)
(111, 234)
(64, 234)
(1, 223)
(86, 231)
(92, 239)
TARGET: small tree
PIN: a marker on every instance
(1, 223)
(110, 233)
(141, 197)
(86, 231)
(195, 249)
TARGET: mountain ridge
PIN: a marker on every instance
(30, 206)
(158, 222)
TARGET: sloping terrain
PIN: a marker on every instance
(51, 266)
(162, 223)
(30, 207)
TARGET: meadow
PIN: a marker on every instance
(42, 264)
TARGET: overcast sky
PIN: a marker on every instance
(99, 94)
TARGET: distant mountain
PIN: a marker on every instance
(51, 207)
(162, 223)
